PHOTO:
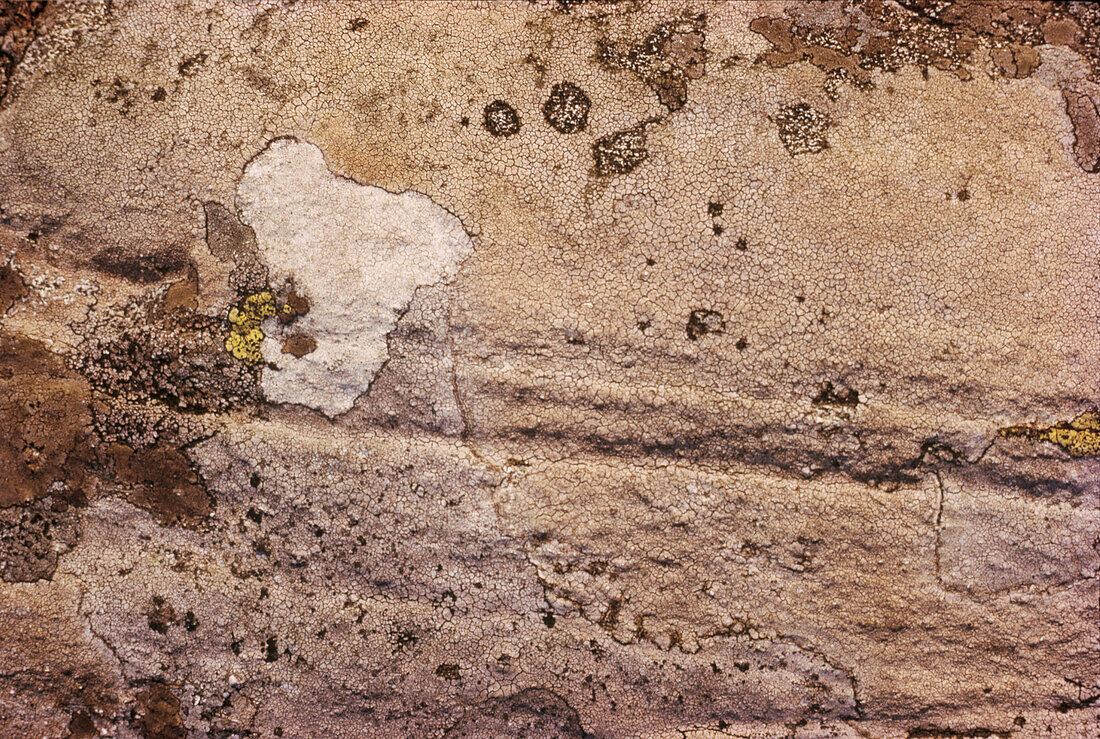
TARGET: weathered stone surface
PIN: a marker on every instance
(549, 369)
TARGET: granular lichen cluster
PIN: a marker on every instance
(501, 119)
(245, 337)
(566, 109)
(621, 152)
(802, 129)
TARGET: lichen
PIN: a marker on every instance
(1079, 437)
(245, 335)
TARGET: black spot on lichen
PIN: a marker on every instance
(12, 288)
(702, 322)
(190, 621)
(802, 129)
(191, 64)
(501, 119)
(404, 639)
(833, 395)
(271, 649)
(160, 615)
(621, 152)
(448, 671)
(566, 110)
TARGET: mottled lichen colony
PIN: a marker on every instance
(550, 368)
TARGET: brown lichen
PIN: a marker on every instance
(299, 345)
(45, 423)
(672, 55)
(158, 713)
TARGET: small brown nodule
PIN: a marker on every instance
(295, 305)
(299, 345)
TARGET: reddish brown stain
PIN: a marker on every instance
(163, 482)
(12, 288)
(299, 345)
(44, 423)
(158, 711)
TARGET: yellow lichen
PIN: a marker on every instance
(245, 336)
(1080, 437)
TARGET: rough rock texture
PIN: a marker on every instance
(550, 369)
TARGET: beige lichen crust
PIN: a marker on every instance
(665, 368)
(361, 250)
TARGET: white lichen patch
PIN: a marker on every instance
(357, 251)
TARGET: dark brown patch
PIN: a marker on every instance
(295, 305)
(802, 129)
(163, 482)
(299, 345)
(876, 34)
(448, 671)
(610, 618)
(702, 322)
(142, 267)
(160, 615)
(178, 359)
(566, 109)
(228, 239)
(1015, 60)
(32, 536)
(837, 395)
(184, 294)
(12, 288)
(501, 119)
(45, 423)
(81, 726)
(191, 64)
(621, 152)
(158, 713)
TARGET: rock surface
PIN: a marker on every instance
(550, 369)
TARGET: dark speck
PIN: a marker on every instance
(271, 649)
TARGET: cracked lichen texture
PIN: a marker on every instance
(686, 421)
